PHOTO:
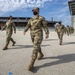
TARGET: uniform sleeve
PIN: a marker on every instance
(14, 26)
(44, 23)
(63, 27)
(27, 26)
(56, 28)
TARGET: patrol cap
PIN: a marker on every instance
(59, 21)
(9, 17)
(35, 9)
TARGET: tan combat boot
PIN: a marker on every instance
(40, 55)
(6, 47)
(13, 43)
(31, 65)
(60, 43)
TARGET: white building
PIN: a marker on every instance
(72, 12)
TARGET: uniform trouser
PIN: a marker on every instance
(60, 36)
(71, 32)
(8, 38)
(68, 32)
(37, 40)
(65, 32)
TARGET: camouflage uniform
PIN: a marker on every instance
(60, 31)
(9, 30)
(68, 30)
(65, 31)
(35, 24)
(71, 30)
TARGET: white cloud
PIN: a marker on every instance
(12, 5)
(66, 18)
(64, 10)
(62, 14)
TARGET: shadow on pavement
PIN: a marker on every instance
(26, 46)
(62, 59)
(50, 39)
(67, 43)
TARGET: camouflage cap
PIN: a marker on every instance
(67, 25)
(59, 21)
(35, 9)
(9, 17)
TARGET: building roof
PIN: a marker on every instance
(72, 7)
(21, 19)
(15, 19)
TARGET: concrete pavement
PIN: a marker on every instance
(57, 60)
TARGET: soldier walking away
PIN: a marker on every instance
(60, 31)
(35, 24)
(68, 30)
(9, 31)
(71, 30)
(64, 30)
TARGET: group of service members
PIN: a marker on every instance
(35, 24)
(61, 30)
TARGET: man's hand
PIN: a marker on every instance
(47, 36)
(24, 33)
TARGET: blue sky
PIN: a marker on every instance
(58, 9)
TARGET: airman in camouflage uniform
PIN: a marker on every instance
(65, 31)
(68, 30)
(35, 24)
(9, 31)
(71, 30)
(60, 31)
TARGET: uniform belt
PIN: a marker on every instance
(35, 31)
